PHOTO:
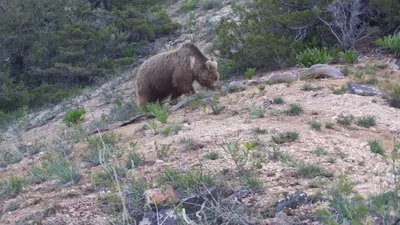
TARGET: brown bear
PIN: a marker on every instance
(172, 73)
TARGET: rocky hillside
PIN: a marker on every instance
(258, 152)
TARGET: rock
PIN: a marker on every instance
(253, 82)
(164, 216)
(193, 204)
(362, 90)
(320, 70)
(393, 65)
(235, 86)
(281, 78)
(160, 196)
(292, 200)
(11, 205)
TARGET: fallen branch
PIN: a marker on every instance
(180, 104)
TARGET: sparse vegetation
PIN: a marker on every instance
(315, 125)
(391, 43)
(394, 95)
(278, 100)
(309, 170)
(346, 120)
(187, 181)
(73, 116)
(55, 167)
(340, 91)
(319, 151)
(258, 112)
(376, 147)
(250, 73)
(309, 87)
(312, 56)
(100, 148)
(289, 136)
(12, 187)
(212, 155)
(294, 110)
(366, 121)
(133, 160)
(159, 111)
(349, 56)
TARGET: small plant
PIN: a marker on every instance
(188, 181)
(376, 147)
(391, 43)
(8, 157)
(320, 151)
(159, 111)
(12, 187)
(340, 91)
(134, 160)
(189, 5)
(345, 120)
(394, 95)
(251, 144)
(309, 170)
(211, 4)
(278, 100)
(153, 125)
(312, 56)
(309, 87)
(329, 126)
(359, 75)
(280, 156)
(100, 148)
(55, 167)
(345, 205)
(315, 125)
(250, 73)
(164, 151)
(109, 175)
(366, 121)
(212, 156)
(167, 131)
(258, 112)
(349, 56)
(289, 136)
(294, 110)
(239, 155)
(73, 116)
(254, 183)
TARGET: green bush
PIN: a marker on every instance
(73, 116)
(391, 43)
(312, 56)
(394, 95)
(349, 56)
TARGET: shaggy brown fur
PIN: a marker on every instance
(172, 74)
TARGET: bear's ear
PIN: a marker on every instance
(208, 64)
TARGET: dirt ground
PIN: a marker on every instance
(347, 147)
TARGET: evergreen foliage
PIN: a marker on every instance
(49, 48)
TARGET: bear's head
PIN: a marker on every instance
(209, 76)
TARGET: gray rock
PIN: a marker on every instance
(292, 201)
(362, 90)
(193, 204)
(320, 70)
(235, 86)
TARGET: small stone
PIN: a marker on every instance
(362, 90)
(252, 82)
(236, 86)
